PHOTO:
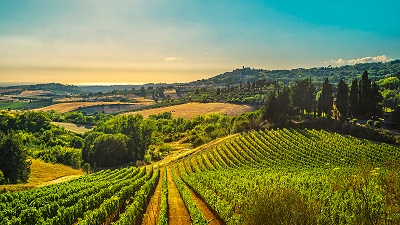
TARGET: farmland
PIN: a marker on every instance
(71, 106)
(190, 110)
(79, 129)
(276, 177)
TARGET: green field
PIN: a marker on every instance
(23, 105)
(13, 105)
(264, 177)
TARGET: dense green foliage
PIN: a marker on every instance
(87, 200)
(318, 74)
(298, 177)
(325, 102)
(342, 100)
(14, 162)
(276, 177)
(42, 139)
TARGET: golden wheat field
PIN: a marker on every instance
(190, 110)
(71, 106)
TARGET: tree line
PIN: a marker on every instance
(361, 100)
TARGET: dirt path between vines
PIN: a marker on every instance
(153, 208)
(177, 212)
(208, 214)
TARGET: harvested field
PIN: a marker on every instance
(71, 106)
(76, 128)
(190, 110)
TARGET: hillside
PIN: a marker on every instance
(317, 74)
(71, 106)
(43, 174)
(261, 177)
(56, 88)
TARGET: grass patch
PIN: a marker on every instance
(13, 105)
(43, 173)
(76, 128)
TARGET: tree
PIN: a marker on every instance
(309, 98)
(375, 98)
(353, 98)
(278, 107)
(326, 98)
(395, 117)
(365, 95)
(269, 110)
(13, 158)
(342, 99)
(142, 92)
(110, 150)
(134, 127)
(303, 95)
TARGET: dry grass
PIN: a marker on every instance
(28, 93)
(43, 174)
(190, 110)
(79, 129)
(71, 106)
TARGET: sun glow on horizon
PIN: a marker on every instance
(75, 42)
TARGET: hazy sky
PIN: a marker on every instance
(140, 41)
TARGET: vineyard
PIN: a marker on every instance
(261, 177)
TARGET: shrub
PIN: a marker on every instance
(1, 177)
(165, 148)
(86, 168)
(370, 123)
(147, 159)
(354, 121)
(377, 124)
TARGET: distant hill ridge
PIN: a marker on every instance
(376, 71)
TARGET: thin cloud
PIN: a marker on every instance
(338, 61)
(170, 59)
(379, 58)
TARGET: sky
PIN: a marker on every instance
(144, 41)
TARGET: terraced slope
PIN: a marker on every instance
(265, 177)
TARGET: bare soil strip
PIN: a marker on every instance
(207, 211)
(178, 214)
(153, 208)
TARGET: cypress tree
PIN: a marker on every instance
(365, 100)
(326, 98)
(375, 97)
(353, 98)
(342, 99)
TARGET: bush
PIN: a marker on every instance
(377, 124)
(86, 168)
(354, 121)
(165, 148)
(370, 122)
(147, 159)
(1, 177)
